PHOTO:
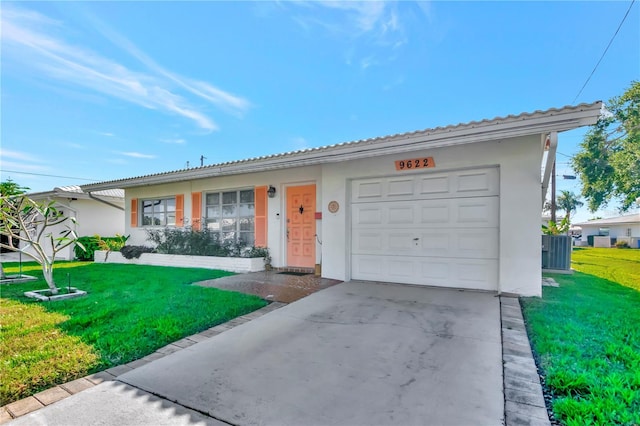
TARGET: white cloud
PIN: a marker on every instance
(30, 37)
(106, 134)
(366, 25)
(137, 155)
(202, 89)
(22, 167)
(17, 155)
(379, 19)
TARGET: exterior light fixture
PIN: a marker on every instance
(271, 192)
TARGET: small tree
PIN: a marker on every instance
(568, 202)
(554, 228)
(25, 220)
(608, 162)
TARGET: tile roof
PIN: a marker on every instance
(550, 120)
(77, 190)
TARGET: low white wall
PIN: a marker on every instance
(233, 264)
(602, 242)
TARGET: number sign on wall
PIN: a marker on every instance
(415, 163)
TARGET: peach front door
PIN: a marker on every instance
(301, 226)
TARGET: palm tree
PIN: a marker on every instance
(568, 202)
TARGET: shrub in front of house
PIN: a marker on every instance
(622, 244)
(134, 252)
(96, 242)
(204, 242)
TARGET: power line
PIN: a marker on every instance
(605, 51)
(55, 176)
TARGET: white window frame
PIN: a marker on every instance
(165, 212)
(216, 224)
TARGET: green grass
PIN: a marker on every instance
(586, 335)
(621, 266)
(130, 311)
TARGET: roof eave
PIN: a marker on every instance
(510, 127)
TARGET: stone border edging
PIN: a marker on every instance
(523, 398)
(41, 399)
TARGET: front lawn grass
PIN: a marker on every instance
(621, 266)
(586, 336)
(129, 312)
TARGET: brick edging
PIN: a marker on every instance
(523, 398)
(47, 397)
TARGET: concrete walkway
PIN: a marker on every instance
(275, 286)
(355, 353)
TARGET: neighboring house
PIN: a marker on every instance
(621, 227)
(101, 212)
(455, 206)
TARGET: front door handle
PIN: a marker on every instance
(416, 239)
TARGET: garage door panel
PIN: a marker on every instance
(400, 268)
(436, 229)
(478, 182)
(438, 213)
(434, 244)
(433, 185)
(445, 242)
(368, 216)
(481, 274)
(475, 212)
(401, 215)
(399, 241)
(455, 212)
(372, 242)
(470, 273)
(400, 187)
(458, 184)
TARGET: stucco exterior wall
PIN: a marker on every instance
(614, 230)
(276, 222)
(92, 217)
(518, 161)
(519, 167)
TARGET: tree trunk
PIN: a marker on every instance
(2, 275)
(47, 271)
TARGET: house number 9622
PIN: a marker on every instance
(415, 163)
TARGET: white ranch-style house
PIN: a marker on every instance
(456, 206)
(99, 212)
(622, 228)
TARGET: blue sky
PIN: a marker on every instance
(108, 90)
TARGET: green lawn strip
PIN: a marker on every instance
(129, 312)
(621, 266)
(586, 336)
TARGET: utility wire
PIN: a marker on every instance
(605, 51)
(55, 176)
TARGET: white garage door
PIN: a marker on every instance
(437, 229)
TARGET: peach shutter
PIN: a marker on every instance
(179, 210)
(196, 210)
(134, 212)
(260, 225)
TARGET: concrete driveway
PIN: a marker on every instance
(354, 354)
